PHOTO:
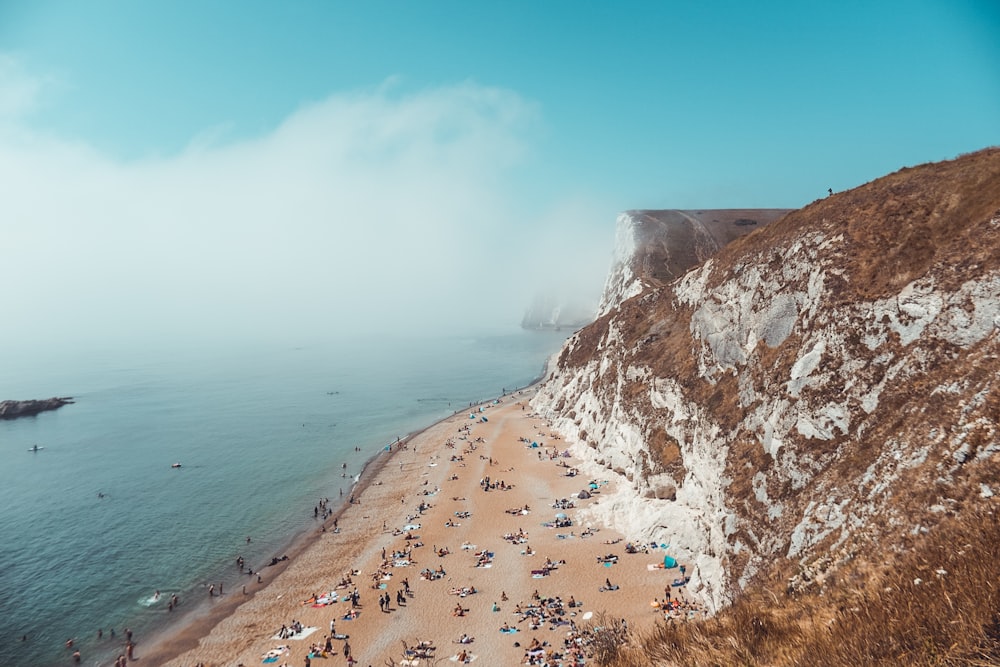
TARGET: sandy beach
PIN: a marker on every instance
(453, 554)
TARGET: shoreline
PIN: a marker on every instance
(177, 638)
(474, 479)
(171, 643)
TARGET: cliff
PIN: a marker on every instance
(822, 386)
(15, 409)
(653, 248)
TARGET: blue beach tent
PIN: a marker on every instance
(669, 562)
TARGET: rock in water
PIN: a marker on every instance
(15, 409)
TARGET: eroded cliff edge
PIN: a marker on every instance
(819, 385)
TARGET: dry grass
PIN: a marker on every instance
(937, 223)
(937, 603)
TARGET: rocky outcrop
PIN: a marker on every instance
(825, 383)
(653, 248)
(15, 409)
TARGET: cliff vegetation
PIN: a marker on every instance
(810, 414)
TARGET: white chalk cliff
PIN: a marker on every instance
(819, 384)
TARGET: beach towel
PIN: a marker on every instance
(298, 635)
(274, 654)
(324, 601)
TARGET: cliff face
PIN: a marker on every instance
(822, 385)
(652, 248)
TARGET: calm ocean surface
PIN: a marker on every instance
(261, 431)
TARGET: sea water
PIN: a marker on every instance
(97, 520)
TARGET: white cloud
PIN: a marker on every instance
(359, 212)
(19, 91)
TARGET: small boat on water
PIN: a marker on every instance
(35, 448)
(175, 465)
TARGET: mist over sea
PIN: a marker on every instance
(261, 431)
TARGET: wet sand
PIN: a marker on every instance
(441, 468)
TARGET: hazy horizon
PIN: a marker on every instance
(284, 172)
(362, 211)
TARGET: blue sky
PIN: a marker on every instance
(258, 166)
